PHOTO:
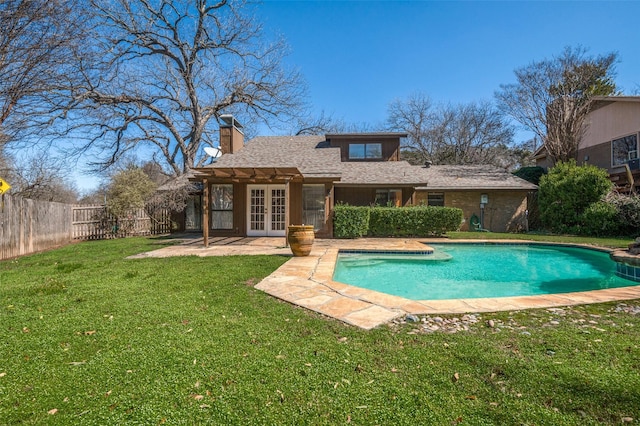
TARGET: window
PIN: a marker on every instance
(222, 207)
(624, 149)
(435, 199)
(313, 206)
(365, 151)
(193, 213)
(389, 197)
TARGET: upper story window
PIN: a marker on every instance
(624, 149)
(365, 151)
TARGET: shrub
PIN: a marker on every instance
(600, 219)
(350, 221)
(128, 190)
(567, 191)
(422, 221)
(628, 207)
(531, 174)
(126, 193)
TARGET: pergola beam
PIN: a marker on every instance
(267, 173)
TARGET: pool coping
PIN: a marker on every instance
(307, 282)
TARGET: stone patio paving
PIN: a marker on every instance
(307, 281)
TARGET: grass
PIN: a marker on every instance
(602, 242)
(88, 337)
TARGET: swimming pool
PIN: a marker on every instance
(462, 270)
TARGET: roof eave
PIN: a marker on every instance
(380, 135)
(376, 185)
(477, 188)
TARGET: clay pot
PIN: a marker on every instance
(300, 239)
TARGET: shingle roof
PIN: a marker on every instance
(313, 156)
(472, 177)
(383, 172)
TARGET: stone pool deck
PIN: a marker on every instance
(307, 281)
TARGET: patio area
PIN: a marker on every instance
(307, 281)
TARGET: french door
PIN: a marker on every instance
(265, 216)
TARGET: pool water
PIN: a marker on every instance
(459, 271)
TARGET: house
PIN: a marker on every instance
(611, 139)
(258, 188)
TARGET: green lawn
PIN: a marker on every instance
(88, 337)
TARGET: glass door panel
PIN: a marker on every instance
(257, 211)
(277, 210)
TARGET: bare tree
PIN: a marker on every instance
(38, 177)
(416, 116)
(170, 68)
(318, 124)
(470, 134)
(36, 41)
(474, 133)
(155, 172)
(326, 123)
(171, 197)
(552, 97)
(171, 193)
(6, 162)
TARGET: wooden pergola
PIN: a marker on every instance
(244, 175)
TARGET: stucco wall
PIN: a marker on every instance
(597, 155)
(612, 121)
(505, 211)
(605, 124)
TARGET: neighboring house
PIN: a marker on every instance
(611, 139)
(259, 188)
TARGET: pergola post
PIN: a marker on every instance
(287, 204)
(205, 212)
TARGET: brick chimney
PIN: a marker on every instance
(231, 136)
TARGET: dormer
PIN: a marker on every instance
(360, 147)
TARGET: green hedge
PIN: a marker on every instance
(350, 222)
(420, 221)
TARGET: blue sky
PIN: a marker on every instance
(358, 56)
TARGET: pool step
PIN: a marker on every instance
(373, 258)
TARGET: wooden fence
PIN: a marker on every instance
(28, 226)
(94, 222)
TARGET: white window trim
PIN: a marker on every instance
(613, 165)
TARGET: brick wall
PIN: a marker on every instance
(505, 211)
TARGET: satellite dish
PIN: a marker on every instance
(212, 151)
